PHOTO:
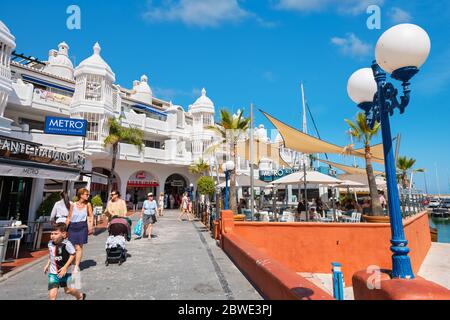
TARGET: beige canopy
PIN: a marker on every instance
(301, 142)
(312, 177)
(349, 169)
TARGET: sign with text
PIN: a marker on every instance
(65, 126)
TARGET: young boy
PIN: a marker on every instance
(61, 256)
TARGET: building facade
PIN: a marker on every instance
(31, 90)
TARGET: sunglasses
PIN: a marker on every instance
(113, 194)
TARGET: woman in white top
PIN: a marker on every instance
(184, 207)
(161, 204)
(60, 210)
(80, 224)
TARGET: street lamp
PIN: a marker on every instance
(400, 51)
(227, 168)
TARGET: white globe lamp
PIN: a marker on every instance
(361, 86)
(402, 46)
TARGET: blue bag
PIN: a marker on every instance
(138, 228)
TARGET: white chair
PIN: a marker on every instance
(352, 218)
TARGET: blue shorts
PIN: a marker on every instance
(56, 282)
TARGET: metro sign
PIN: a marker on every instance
(65, 126)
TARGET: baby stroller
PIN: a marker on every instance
(119, 232)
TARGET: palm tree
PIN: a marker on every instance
(119, 134)
(201, 167)
(405, 164)
(230, 129)
(363, 133)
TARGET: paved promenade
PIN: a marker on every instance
(181, 262)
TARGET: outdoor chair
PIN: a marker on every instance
(248, 214)
(16, 236)
(356, 217)
(350, 219)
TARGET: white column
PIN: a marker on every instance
(37, 193)
(289, 193)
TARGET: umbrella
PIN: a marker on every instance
(312, 177)
(349, 184)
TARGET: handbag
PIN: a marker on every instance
(138, 228)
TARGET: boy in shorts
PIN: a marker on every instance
(61, 256)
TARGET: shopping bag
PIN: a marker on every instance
(74, 281)
(138, 228)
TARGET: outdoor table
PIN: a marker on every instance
(6, 239)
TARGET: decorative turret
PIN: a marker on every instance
(142, 91)
(59, 63)
(94, 92)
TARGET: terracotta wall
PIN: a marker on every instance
(312, 247)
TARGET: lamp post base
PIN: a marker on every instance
(372, 286)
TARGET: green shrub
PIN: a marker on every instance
(205, 186)
(97, 201)
(46, 207)
(74, 199)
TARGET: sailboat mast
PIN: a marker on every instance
(304, 126)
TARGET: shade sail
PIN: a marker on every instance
(245, 181)
(312, 177)
(362, 178)
(349, 169)
(350, 184)
(296, 140)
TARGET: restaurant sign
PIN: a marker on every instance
(65, 126)
(272, 175)
(12, 148)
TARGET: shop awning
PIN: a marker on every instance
(28, 169)
(298, 141)
(349, 169)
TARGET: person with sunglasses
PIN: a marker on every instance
(116, 206)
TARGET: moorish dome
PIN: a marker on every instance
(6, 36)
(95, 65)
(203, 104)
(142, 90)
(59, 63)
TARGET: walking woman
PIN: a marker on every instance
(184, 207)
(80, 224)
(148, 215)
(60, 210)
(161, 204)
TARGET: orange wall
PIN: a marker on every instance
(312, 247)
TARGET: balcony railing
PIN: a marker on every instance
(5, 72)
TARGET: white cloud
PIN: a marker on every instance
(203, 13)
(398, 15)
(352, 46)
(353, 7)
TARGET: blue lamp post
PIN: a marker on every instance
(227, 168)
(400, 51)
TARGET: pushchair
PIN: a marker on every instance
(119, 232)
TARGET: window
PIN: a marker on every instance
(154, 144)
(33, 124)
(93, 87)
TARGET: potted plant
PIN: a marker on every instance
(97, 205)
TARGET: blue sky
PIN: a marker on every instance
(258, 51)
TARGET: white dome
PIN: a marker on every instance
(174, 107)
(95, 65)
(203, 104)
(59, 63)
(6, 36)
(142, 90)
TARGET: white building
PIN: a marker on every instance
(31, 161)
